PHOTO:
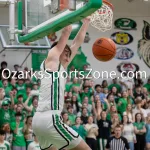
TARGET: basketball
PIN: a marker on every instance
(104, 49)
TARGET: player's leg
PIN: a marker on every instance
(53, 148)
(81, 146)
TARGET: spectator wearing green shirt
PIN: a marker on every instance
(147, 85)
(31, 109)
(71, 115)
(6, 111)
(21, 86)
(123, 103)
(74, 83)
(86, 93)
(17, 126)
(115, 84)
(6, 87)
(79, 128)
(140, 131)
(12, 83)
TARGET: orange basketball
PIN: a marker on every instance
(104, 49)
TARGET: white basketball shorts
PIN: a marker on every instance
(51, 131)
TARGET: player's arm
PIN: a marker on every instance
(56, 51)
(79, 39)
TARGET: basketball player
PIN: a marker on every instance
(47, 123)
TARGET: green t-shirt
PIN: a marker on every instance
(1, 84)
(109, 117)
(147, 86)
(11, 86)
(21, 88)
(5, 146)
(123, 106)
(71, 118)
(6, 116)
(7, 90)
(89, 94)
(139, 125)
(80, 130)
(115, 85)
(72, 85)
(19, 139)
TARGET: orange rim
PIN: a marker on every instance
(109, 4)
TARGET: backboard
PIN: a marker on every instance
(40, 18)
(5, 44)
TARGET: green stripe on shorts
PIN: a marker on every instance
(62, 129)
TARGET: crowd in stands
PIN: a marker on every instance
(92, 110)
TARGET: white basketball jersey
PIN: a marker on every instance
(51, 93)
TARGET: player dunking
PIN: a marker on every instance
(51, 132)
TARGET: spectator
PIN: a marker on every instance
(147, 85)
(138, 109)
(104, 84)
(138, 93)
(114, 84)
(8, 134)
(123, 102)
(104, 126)
(74, 104)
(92, 133)
(128, 132)
(128, 112)
(6, 112)
(79, 128)
(140, 131)
(148, 133)
(35, 144)
(18, 136)
(84, 115)
(4, 74)
(138, 81)
(4, 145)
(71, 115)
(117, 142)
(27, 130)
(65, 118)
(115, 93)
(99, 91)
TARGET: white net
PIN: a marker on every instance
(102, 18)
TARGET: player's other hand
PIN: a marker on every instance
(68, 29)
(86, 20)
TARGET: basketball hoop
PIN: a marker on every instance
(103, 17)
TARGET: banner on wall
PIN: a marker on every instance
(79, 60)
(144, 44)
(125, 24)
(124, 53)
(37, 58)
(127, 66)
(122, 38)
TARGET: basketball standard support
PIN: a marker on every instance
(12, 21)
(55, 24)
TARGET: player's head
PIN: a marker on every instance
(65, 56)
